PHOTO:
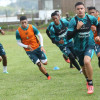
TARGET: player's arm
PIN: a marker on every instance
(73, 28)
(54, 41)
(1, 31)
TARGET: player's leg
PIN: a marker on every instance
(97, 50)
(4, 58)
(43, 59)
(89, 71)
(74, 62)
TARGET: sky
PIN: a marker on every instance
(6, 2)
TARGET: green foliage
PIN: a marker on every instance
(25, 82)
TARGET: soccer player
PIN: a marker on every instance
(3, 56)
(93, 11)
(48, 33)
(58, 32)
(80, 30)
(68, 17)
(26, 38)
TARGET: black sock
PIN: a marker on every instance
(90, 82)
(74, 62)
(46, 74)
(87, 79)
(99, 62)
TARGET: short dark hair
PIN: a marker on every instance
(23, 18)
(79, 3)
(90, 8)
(54, 14)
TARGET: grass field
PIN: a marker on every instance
(25, 82)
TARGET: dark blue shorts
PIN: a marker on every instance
(2, 51)
(37, 55)
(67, 49)
(97, 48)
(80, 54)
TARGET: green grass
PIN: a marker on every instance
(26, 82)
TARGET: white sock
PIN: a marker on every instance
(4, 68)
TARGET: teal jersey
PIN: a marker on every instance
(84, 38)
(0, 27)
(55, 34)
(52, 23)
(34, 29)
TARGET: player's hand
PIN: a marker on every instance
(93, 28)
(97, 39)
(30, 48)
(61, 41)
(2, 32)
(42, 49)
(79, 25)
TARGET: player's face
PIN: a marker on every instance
(55, 19)
(80, 11)
(24, 23)
(92, 12)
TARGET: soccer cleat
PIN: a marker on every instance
(66, 59)
(49, 77)
(5, 72)
(90, 89)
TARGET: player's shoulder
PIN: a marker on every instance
(91, 17)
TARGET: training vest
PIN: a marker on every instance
(61, 31)
(95, 33)
(83, 34)
(28, 37)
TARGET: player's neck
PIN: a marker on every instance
(81, 16)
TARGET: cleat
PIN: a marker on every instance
(49, 77)
(66, 59)
(5, 72)
(90, 89)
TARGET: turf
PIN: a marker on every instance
(25, 82)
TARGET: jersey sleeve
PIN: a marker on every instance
(35, 30)
(18, 35)
(72, 25)
(66, 23)
(48, 28)
(52, 32)
(94, 20)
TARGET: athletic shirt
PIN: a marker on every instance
(60, 31)
(84, 37)
(95, 33)
(28, 37)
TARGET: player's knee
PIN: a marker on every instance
(86, 62)
(39, 64)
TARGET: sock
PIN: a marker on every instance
(99, 62)
(46, 74)
(90, 82)
(4, 68)
(87, 79)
